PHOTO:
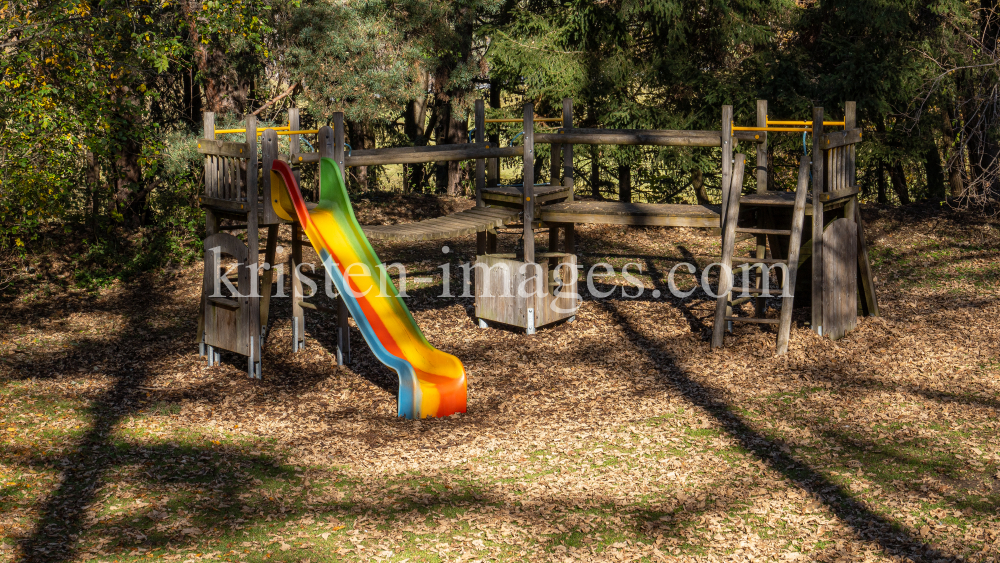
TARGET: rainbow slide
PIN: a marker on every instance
(431, 382)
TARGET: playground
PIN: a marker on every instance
(621, 436)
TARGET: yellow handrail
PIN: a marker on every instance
(806, 123)
(302, 132)
(537, 119)
(228, 131)
(774, 129)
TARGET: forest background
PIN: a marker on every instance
(101, 101)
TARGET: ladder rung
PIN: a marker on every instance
(755, 320)
(754, 231)
(772, 291)
(753, 261)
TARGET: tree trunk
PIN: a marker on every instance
(624, 184)
(955, 160)
(883, 198)
(698, 183)
(93, 178)
(458, 133)
(223, 91)
(935, 174)
(450, 131)
(898, 178)
(360, 137)
(130, 195)
(595, 172)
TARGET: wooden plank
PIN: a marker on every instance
(794, 247)
(816, 303)
(218, 147)
(652, 137)
(838, 194)
(641, 214)
(224, 204)
(225, 324)
(225, 303)
(840, 266)
(728, 243)
(840, 138)
(269, 153)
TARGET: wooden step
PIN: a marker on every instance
(772, 291)
(755, 320)
(753, 260)
(753, 231)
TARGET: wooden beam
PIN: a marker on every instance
(654, 137)
(435, 153)
(841, 138)
(218, 147)
(839, 194)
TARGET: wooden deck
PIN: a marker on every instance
(511, 195)
(616, 213)
(470, 221)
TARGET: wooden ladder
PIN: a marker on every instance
(731, 212)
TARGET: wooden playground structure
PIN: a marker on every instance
(817, 227)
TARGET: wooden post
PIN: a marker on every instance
(294, 142)
(528, 192)
(480, 126)
(211, 227)
(298, 314)
(493, 164)
(850, 122)
(568, 154)
(762, 147)
(760, 303)
(624, 184)
(727, 155)
(818, 222)
(253, 246)
(343, 328)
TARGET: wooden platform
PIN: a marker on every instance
(616, 213)
(511, 195)
(470, 221)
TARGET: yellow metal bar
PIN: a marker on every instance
(537, 119)
(302, 132)
(227, 131)
(775, 129)
(805, 123)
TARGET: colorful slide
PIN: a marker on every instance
(431, 382)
